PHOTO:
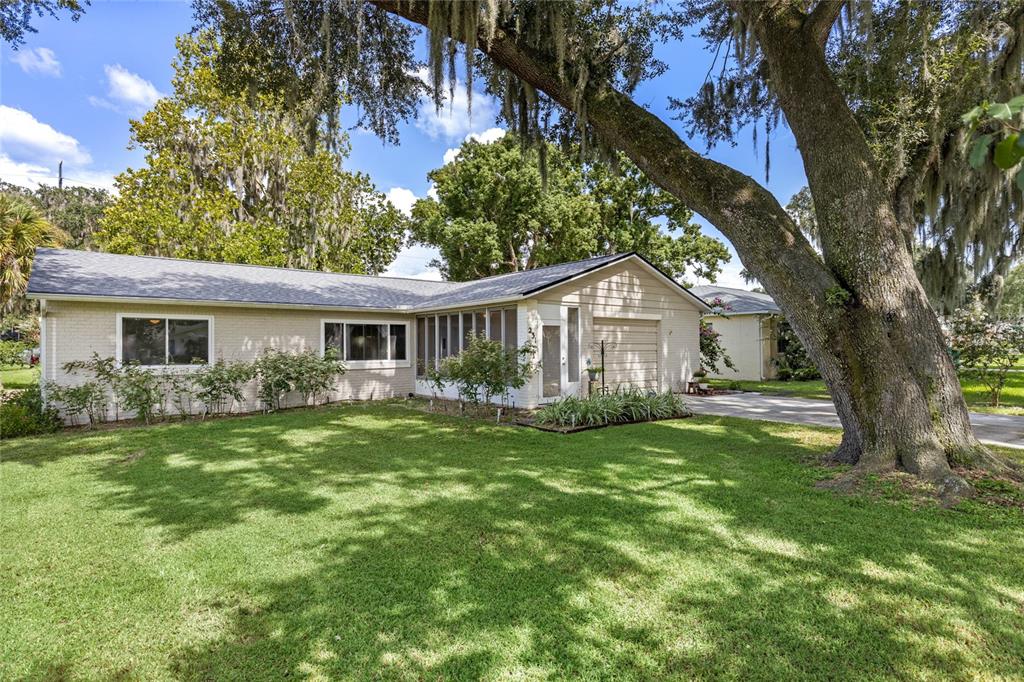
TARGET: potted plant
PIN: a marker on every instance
(593, 372)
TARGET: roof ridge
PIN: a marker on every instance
(545, 267)
(251, 265)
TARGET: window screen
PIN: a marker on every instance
(396, 342)
(162, 341)
(144, 340)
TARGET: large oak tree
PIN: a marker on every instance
(568, 71)
(495, 209)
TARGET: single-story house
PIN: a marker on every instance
(165, 312)
(749, 328)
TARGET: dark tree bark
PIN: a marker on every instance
(859, 307)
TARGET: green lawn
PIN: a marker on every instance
(18, 377)
(379, 541)
(975, 393)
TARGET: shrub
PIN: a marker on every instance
(618, 407)
(485, 369)
(806, 374)
(24, 414)
(280, 373)
(179, 389)
(735, 386)
(140, 391)
(12, 353)
(985, 347)
(89, 397)
(314, 375)
(219, 385)
(793, 362)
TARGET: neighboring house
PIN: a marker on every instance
(749, 325)
(168, 312)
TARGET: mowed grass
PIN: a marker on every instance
(18, 377)
(382, 542)
(975, 393)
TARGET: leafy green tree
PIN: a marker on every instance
(75, 210)
(23, 229)
(855, 84)
(497, 212)
(233, 178)
(16, 16)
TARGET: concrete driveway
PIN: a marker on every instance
(996, 429)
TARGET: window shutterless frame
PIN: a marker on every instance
(367, 364)
(119, 338)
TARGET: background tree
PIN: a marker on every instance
(16, 16)
(23, 229)
(234, 178)
(75, 210)
(569, 71)
(1011, 307)
(497, 212)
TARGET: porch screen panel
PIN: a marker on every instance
(442, 323)
(573, 321)
(431, 341)
(511, 328)
(480, 323)
(495, 330)
(467, 328)
(421, 346)
(453, 333)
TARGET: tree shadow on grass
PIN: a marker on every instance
(445, 549)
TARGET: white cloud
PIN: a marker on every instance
(40, 60)
(454, 119)
(486, 137)
(24, 137)
(127, 91)
(402, 199)
(414, 261)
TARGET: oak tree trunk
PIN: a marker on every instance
(858, 307)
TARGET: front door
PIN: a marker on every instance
(551, 360)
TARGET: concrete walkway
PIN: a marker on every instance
(996, 429)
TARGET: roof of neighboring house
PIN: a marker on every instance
(738, 301)
(94, 275)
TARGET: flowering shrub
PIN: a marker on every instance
(984, 347)
(711, 350)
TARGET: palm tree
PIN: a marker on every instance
(22, 229)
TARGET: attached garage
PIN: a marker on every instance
(630, 352)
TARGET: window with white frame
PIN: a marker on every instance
(441, 336)
(373, 342)
(161, 340)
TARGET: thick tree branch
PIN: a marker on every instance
(819, 22)
(735, 203)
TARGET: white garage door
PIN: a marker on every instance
(631, 352)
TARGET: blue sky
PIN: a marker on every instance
(70, 91)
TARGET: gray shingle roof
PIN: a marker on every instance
(739, 301)
(93, 274)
